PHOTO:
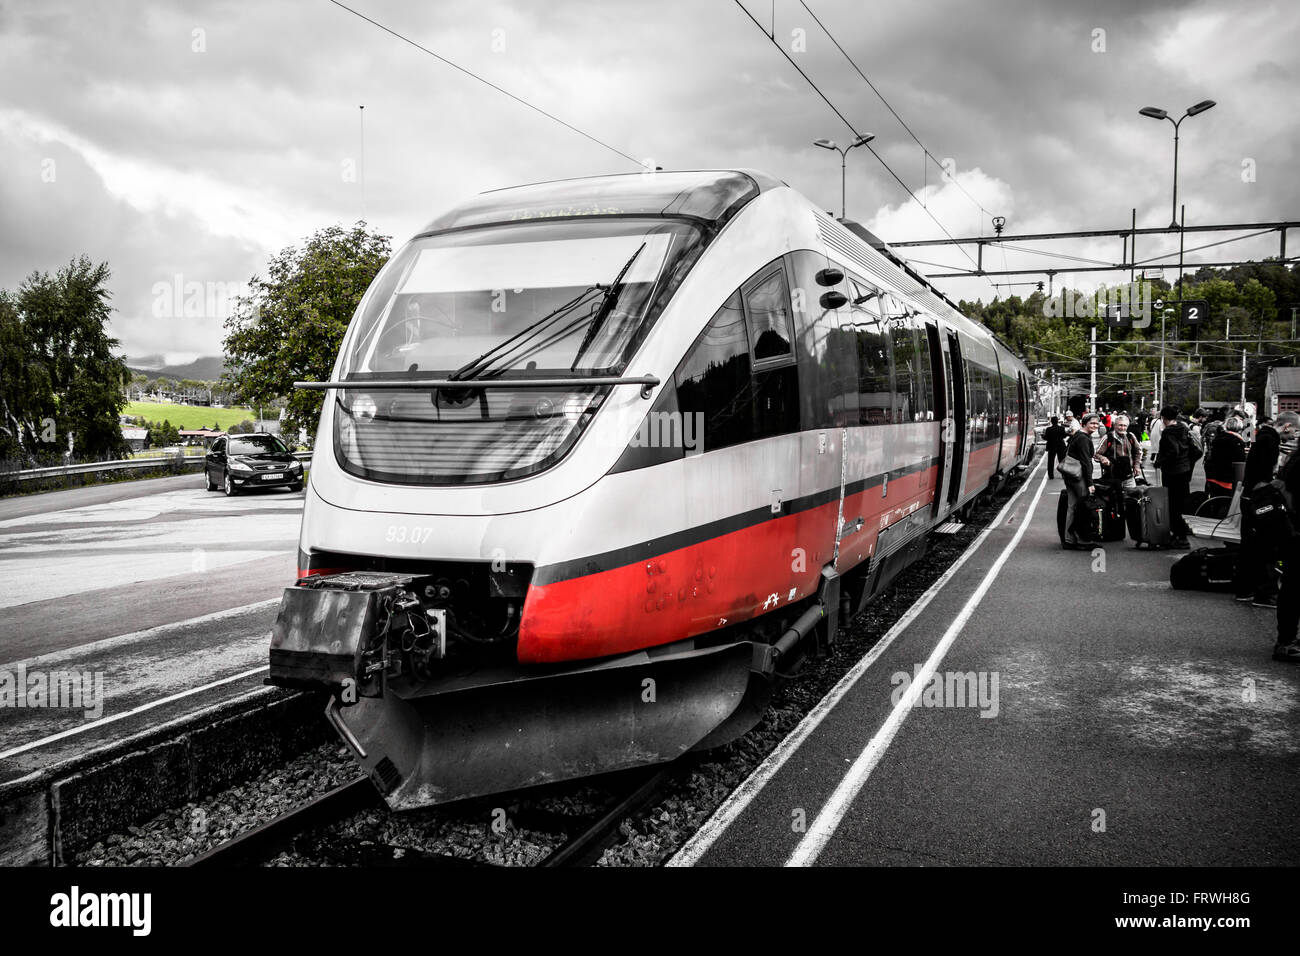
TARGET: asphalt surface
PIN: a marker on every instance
(158, 595)
(1132, 725)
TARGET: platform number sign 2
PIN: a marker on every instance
(1194, 312)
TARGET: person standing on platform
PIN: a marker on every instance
(1224, 450)
(1080, 447)
(1175, 460)
(1055, 436)
(1153, 444)
(1121, 455)
(1256, 581)
(1288, 597)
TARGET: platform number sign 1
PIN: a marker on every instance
(1194, 312)
(1118, 317)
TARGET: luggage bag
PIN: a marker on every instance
(1146, 511)
(1205, 569)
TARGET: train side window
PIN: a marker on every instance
(923, 399)
(875, 372)
(824, 344)
(714, 379)
(900, 334)
(767, 303)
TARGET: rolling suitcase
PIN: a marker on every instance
(1147, 514)
(1205, 569)
(1090, 518)
(1111, 516)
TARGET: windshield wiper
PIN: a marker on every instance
(606, 307)
(479, 363)
(610, 294)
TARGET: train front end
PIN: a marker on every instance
(494, 374)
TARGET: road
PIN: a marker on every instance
(151, 588)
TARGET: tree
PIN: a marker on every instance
(292, 324)
(66, 395)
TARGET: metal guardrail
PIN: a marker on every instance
(123, 464)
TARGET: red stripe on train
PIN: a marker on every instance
(699, 588)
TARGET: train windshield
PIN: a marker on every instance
(534, 298)
(549, 299)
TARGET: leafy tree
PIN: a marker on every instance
(292, 324)
(66, 393)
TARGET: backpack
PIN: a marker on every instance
(1194, 447)
(1269, 512)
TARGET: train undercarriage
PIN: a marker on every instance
(426, 693)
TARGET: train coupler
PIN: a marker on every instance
(349, 633)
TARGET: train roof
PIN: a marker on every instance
(712, 195)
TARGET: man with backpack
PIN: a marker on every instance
(1288, 598)
(1121, 455)
(1256, 582)
(1176, 457)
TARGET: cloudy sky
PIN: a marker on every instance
(185, 142)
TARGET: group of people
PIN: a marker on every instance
(1177, 443)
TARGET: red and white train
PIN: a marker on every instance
(599, 455)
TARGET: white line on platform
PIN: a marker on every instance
(73, 731)
(743, 795)
(107, 643)
(823, 828)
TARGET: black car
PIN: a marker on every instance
(237, 462)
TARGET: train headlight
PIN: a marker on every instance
(573, 409)
(364, 408)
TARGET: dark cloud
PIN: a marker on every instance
(202, 164)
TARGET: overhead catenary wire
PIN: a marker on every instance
(845, 120)
(888, 106)
(489, 83)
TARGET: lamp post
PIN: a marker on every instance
(830, 144)
(1159, 114)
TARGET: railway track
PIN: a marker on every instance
(351, 826)
(586, 836)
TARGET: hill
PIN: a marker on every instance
(207, 368)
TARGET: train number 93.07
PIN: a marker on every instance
(400, 533)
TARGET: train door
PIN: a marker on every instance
(942, 410)
(1021, 416)
(957, 427)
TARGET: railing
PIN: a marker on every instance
(184, 462)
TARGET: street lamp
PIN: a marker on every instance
(830, 144)
(1159, 114)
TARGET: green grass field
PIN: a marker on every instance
(189, 416)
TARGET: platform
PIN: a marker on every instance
(1129, 724)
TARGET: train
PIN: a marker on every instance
(602, 459)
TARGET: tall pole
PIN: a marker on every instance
(1132, 249)
(1243, 378)
(1175, 206)
(1160, 391)
(1092, 385)
(363, 163)
(843, 161)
